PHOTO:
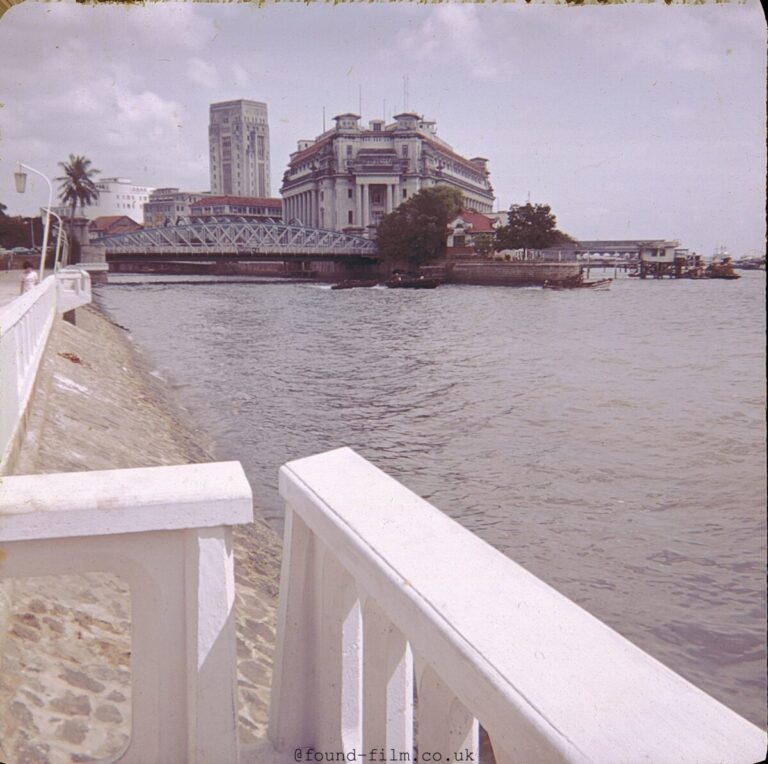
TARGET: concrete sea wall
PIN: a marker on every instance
(65, 693)
(511, 273)
(480, 272)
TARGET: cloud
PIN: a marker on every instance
(455, 31)
(202, 73)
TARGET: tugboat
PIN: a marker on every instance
(721, 267)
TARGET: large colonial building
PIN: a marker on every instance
(238, 136)
(350, 176)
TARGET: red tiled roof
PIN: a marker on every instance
(300, 156)
(240, 201)
(108, 222)
(480, 223)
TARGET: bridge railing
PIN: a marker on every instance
(238, 238)
(73, 289)
(166, 531)
(376, 582)
(25, 324)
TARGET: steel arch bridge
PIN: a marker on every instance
(239, 239)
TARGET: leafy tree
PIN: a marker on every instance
(17, 231)
(483, 243)
(530, 226)
(416, 231)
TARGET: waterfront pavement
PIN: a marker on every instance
(65, 679)
(9, 286)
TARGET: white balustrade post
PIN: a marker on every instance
(317, 680)
(338, 657)
(211, 646)
(388, 684)
(290, 716)
(445, 726)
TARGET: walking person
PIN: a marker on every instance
(29, 278)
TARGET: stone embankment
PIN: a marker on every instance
(65, 692)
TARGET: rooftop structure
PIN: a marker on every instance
(108, 225)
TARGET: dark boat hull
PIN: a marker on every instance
(414, 283)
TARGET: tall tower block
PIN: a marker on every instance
(238, 136)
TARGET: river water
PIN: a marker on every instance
(613, 443)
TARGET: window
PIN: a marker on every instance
(405, 193)
(405, 151)
(349, 217)
(349, 151)
(349, 193)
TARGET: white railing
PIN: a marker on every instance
(375, 580)
(73, 285)
(167, 532)
(25, 324)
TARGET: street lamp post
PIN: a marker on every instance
(21, 185)
(58, 240)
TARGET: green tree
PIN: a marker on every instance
(77, 187)
(77, 184)
(530, 226)
(416, 231)
(483, 244)
(17, 231)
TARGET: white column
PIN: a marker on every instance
(359, 204)
(366, 204)
(388, 207)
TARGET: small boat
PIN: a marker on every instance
(601, 284)
(412, 282)
(355, 283)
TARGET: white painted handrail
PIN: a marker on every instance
(74, 288)
(373, 574)
(25, 324)
(167, 532)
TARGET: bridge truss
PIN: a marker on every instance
(227, 238)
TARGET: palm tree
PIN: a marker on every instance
(77, 187)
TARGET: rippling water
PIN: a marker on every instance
(613, 443)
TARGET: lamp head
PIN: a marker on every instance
(21, 181)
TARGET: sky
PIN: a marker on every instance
(631, 121)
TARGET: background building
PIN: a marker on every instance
(111, 225)
(465, 230)
(349, 177)
(238, 136)
(222, 207)
(117, 196)
(169, 206)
